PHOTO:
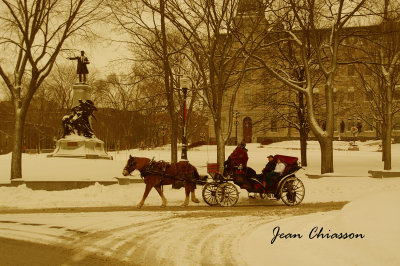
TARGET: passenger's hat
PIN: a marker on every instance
(270, 156)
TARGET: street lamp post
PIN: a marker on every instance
(185, 84)
(163, 130)
(236, 126)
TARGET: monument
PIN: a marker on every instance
(79, 140)
(352, 145)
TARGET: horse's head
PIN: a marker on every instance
(134, 163)
(130, 166)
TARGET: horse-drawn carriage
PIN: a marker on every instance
(221, 191)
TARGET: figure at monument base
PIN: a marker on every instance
(78, 121)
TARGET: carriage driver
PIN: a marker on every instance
(270, 178)
(238, 156)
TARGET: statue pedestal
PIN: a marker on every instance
(77, 146)
(74, 146)
(81, 91)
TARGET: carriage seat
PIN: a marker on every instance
(290, 162)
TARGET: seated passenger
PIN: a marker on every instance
(270, 178)
(270, 166)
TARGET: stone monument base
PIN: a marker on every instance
(74, 146)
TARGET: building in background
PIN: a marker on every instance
(265, 109)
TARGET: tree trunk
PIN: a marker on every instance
(16, 158)
(387, 152)
(325, 140)
(326, 145)
(382, 129)
(169, 86)
(302, 130)
(383, 137)
(303, 146)
(220, 148)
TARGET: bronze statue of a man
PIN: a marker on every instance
(81, 69)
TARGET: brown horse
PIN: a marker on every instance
(156, 174)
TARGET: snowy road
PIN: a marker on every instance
(192, 236)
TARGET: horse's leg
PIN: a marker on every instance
(164, 200)
(187, 192)
(193, 194)
(149, 186)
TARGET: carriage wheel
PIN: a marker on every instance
(209, 193)
(227, 195)
(292, 191)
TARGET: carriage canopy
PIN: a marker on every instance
(286, 159)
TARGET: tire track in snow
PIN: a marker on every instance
(116, 242)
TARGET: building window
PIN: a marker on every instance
(274, 127)
(316, 94)
(297, 96)
(335, 93)
(396, 123)
(350, 70)
(353, 40)
(223, 124)
(368, 71)
(273, 95)
(349, 123)
(342, 126)
(247, 96)
(369, 124)
(335, 125)
(369, 94)
(359, 127)
(396, 93)
(350, 94)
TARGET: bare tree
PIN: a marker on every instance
(33, 35)
(320, 23)
(380, 57)
(211, 30)
(135, 99)
(145, 24)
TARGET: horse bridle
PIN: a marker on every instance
(130, 164)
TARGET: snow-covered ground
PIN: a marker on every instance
(349, 181)
(197, 238)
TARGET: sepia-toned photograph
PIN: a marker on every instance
(199, 132)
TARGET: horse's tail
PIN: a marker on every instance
(197, 176)
(195, 173)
